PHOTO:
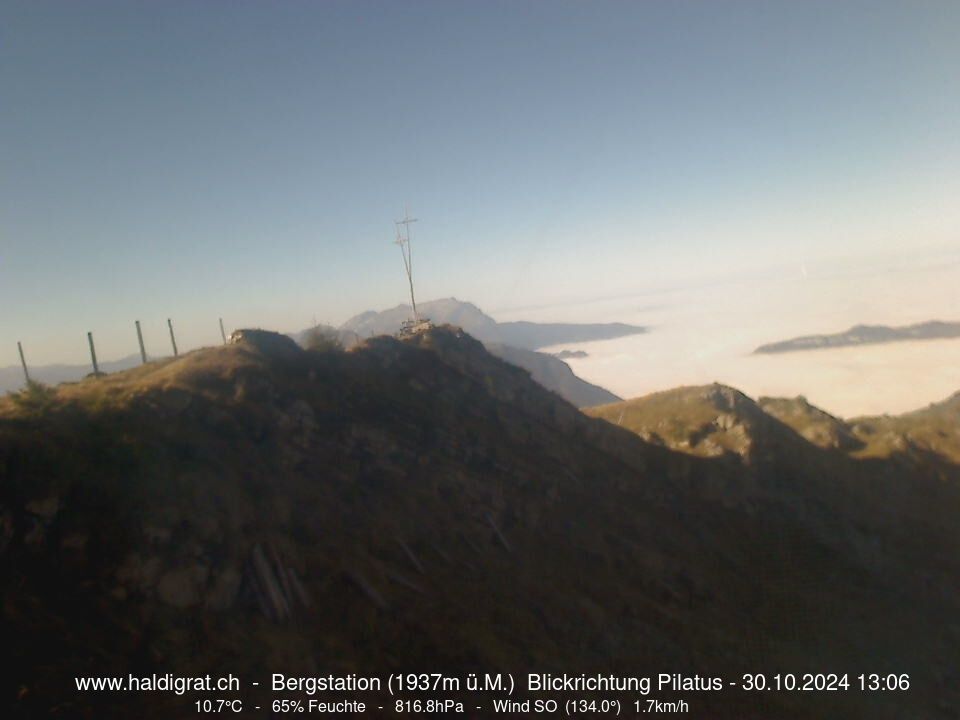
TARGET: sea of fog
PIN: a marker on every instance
(706, 332)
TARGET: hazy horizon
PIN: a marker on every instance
(247, 160)
(705, 331)
(708, 333)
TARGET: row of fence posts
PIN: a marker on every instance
(93, 349)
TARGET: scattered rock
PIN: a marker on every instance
(266, 342)
(224, 589)
(6, 528)
(45, 509)
(183, 587)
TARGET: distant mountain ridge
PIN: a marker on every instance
(11, 377)
(549, 371)
(520, 334)
(515, 342)
(865, 335)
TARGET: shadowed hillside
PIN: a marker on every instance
(549, 371)
(421, 504)
(554, 374)
(713, 420)
(935, 429)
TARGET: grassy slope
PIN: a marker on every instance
(133, 503)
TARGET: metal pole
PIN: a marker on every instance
(93, 354)
(404, 241)
(223, 334)
(143, 351)
(26, 373)
(173, 339)
(407, 219)
(413, 301)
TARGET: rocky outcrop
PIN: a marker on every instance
(265, 342)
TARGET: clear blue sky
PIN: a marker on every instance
(246, 159)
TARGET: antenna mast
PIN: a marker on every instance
(416, 324)
(403, 240)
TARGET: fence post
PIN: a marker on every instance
(173, 339)
(223, 334)
(143, 351)
(93, 355)
(26, 373)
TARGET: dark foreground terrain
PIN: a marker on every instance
(423, 506)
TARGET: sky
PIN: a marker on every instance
(246, 160)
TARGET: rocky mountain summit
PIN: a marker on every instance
(519, 334)
(422, 504)
(515, 342)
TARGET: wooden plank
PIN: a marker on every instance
(299, 590)
(401, 580)
(413, 558)
(361, 582)
(500, 537)
(269, 584)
